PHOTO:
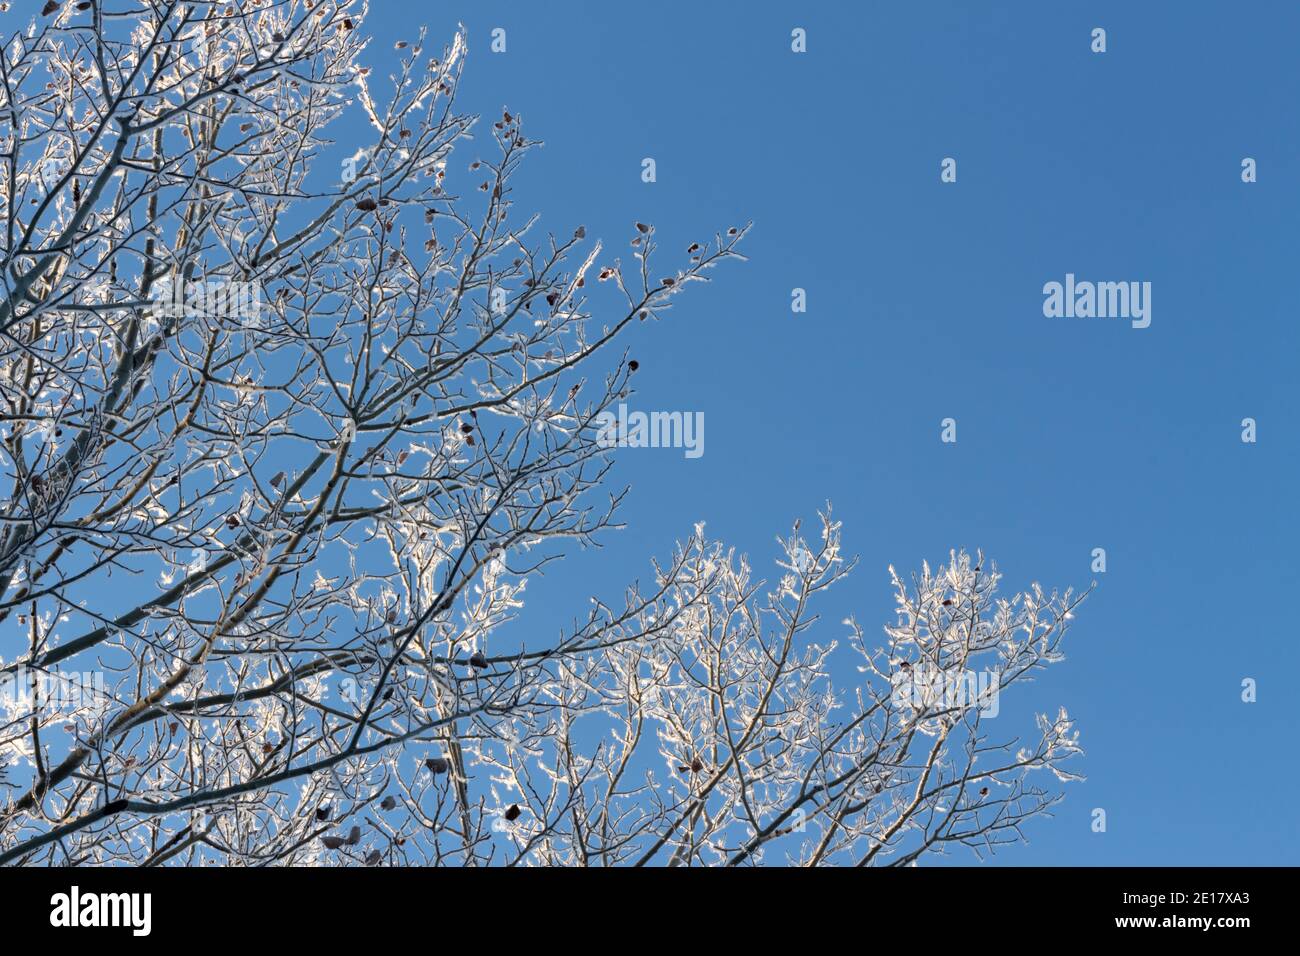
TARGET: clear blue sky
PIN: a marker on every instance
(925, 301)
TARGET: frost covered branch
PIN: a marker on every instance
(284, 438)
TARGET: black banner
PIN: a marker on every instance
(269, 906)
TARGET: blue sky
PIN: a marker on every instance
(925, 302)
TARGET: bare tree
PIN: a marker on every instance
(282, 445)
